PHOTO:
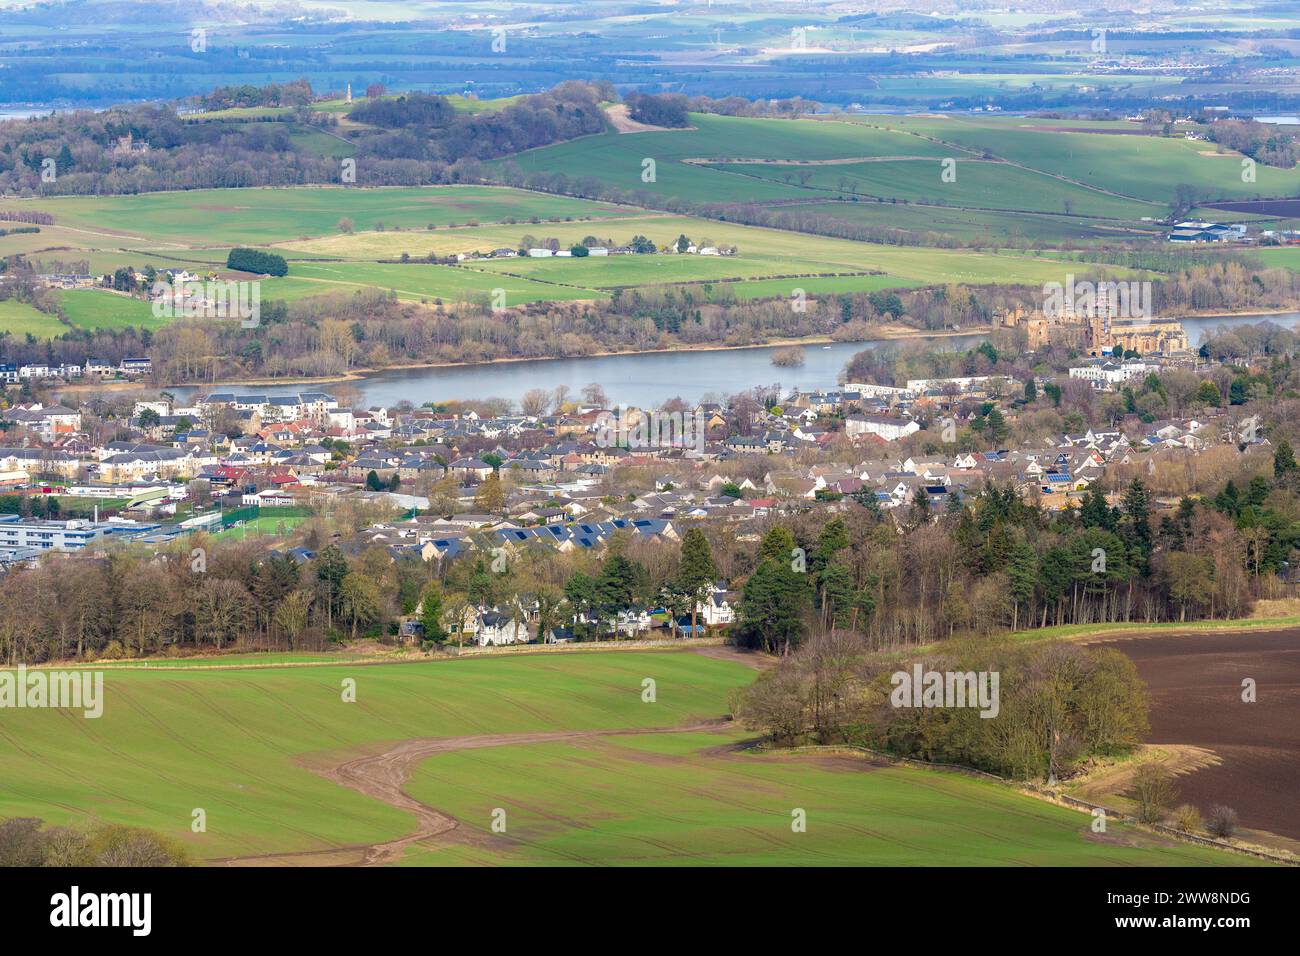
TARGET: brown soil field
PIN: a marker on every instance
(1284, 208)
(1196, 689)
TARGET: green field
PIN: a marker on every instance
(227, 741)
(209, 217)
(260, 527)
(1281, 257)
(251, 660)
(1018, 179)
(95, 309)
(340, 106)
(237, 743)
(618, 158)
(971, 182)
(1142, 167)
(684, 798)
(418, 281)
(20, 319)
(762, 253)
(319, 142)
(987, 226)
(816, 285)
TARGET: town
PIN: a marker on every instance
(467, 483)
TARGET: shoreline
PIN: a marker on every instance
(890, 333)
(886, 333)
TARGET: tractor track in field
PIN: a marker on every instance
(382, 774)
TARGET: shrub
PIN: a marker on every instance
(1187, 818)
(1222, 823)
(1153, 789)
(791, 357)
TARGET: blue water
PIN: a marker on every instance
(647, 379)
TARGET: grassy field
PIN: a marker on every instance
(63, 243)
(814, 285)
(260, 527)
(227, 741)
(249, 660)
(339, 106)
(95, 309)
(1142, 167)
(20, 319)
(762, 253)
(972, 182)
(685, 798)
(236, 742)
(210, 217)
(1280, 257)
(617, 159)
(319, 142)
(420, 281)
(991, 226)
(1038, 180)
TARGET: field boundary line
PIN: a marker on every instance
(1011, 162)
(449, 654)
(1101, 631)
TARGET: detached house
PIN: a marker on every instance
(719, 610)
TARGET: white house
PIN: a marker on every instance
(1102, 373)
(632, 622)
(888, 427)
(494, 629)
(719, 610)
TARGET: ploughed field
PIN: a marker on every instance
(1196, 687)
(582, 769)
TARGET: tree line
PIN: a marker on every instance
(986, 564)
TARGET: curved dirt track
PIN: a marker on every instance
(381, 775)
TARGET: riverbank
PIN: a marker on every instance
(884, 333)
(644, 377)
